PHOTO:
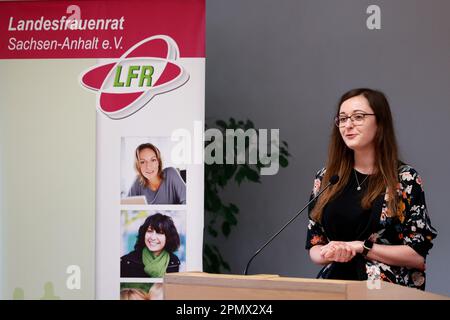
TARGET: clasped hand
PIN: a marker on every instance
(340, 251)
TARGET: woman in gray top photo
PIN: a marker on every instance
(158, 185)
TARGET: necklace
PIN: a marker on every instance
(357, 181)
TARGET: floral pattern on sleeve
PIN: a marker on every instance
(417, 231)
(315, 234)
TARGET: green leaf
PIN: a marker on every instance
(284, 151)
(221, 124)
(213, 202)
(212, 231)
(226, 265)
(221, 179)
(233, 208)
(212, 261)
(249, 124)
(206, 249)
(251, 174)
(240, 175)
(213, 257)
(230, 169)
(226, 229)
(230, 218)
(283, 162)
(233, 123)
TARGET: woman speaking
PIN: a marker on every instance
(373, 224)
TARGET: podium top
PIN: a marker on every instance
(199, 285)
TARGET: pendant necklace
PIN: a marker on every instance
(357, 181)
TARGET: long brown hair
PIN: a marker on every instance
(341, 158)
(143, 180)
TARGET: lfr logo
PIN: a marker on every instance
(125, 86)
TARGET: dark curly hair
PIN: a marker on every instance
(161, 224)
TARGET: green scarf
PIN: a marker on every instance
(155, 266)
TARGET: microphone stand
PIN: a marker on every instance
(288, 223)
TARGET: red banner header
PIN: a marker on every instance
(97, 29)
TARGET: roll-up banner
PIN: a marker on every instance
(101, 135)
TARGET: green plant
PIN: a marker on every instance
(221, 217)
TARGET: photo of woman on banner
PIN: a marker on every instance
(133, 294)
(141, 291)
(157, 185)
(153, 253)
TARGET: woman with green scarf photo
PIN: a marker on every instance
(153, 253)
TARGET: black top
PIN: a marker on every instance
(345, 220)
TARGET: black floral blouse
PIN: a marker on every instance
(411, 227)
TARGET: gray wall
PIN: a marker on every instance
(284, 64)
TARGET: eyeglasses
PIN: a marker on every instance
(357, 119)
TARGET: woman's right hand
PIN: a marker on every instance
(338, 251)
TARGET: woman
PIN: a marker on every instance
(133, 294)
(158, 185)
(153, 253)
(373, 224)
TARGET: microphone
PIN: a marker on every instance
(333, 180)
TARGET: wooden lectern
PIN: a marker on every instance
(205, 286)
